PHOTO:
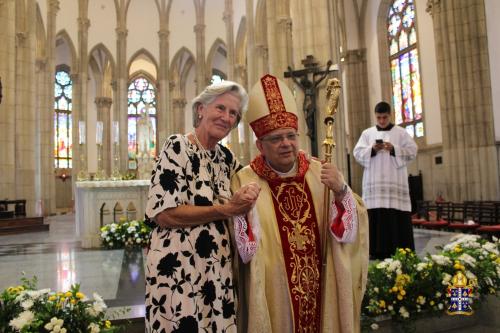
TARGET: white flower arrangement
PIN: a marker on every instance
(407, 287)
(25, 309)
(125, 234)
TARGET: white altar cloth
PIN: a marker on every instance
(90, 197)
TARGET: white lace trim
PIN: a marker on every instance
(246, 247)
(349, 219)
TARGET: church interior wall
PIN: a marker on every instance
(428, 72)
(372, 55)
(91, 124)
(492, 9)
(143, 20)
(216, 30)
(183, 18)
(190, 94)
(274, 47)
(102, 16)
(67, 18)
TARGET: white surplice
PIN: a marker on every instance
(385, 177)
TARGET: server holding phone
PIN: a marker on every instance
(384, 151)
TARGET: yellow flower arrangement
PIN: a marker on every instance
(406, 287)
(26, 309)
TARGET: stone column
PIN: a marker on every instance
(470, 157)
(201, 76)
(164, 119)
(251, 59)
(228, 20)
(120, 93)
(104, 114)
(7, 117)
(279, 36)
(45, 67)
(24, 110)
(356, 91)
(80, 106)
(199, 30)
(178, 105)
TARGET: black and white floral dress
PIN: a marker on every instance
(189, 278)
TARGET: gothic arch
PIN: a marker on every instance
(63, 37)
(145, 54)
(182, 63)
(217, 45)
(145, 74)
(102, 65)
(241, 43)
(240, 50)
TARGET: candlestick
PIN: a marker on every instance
(98, 132)
(81, 132)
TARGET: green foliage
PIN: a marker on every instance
(125, 234)
(406, 287)
(28, 310)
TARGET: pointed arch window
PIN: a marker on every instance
(141, 100)
(63, 143)
(404, 64)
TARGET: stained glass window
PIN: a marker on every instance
(63, 143)
(405, 72)
(141, 103)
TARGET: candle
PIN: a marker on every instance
(116, 132)
(98, 133)
(241, 132)
(81, 132)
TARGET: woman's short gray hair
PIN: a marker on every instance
(211, 92)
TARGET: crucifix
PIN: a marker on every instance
(308, 80)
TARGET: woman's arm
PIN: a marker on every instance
(190, 215)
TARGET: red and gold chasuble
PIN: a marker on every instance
(300, 240)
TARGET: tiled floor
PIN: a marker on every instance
(57, 260)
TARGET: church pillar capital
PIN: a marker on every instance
(163, 33)
(121, 32)
(83, 23)
(179, 103)
(354, 56)
(40, 64)
(433, 6)
(103, 102)
(21, 37)
(54, 6)
(199, 28)
(285, 22)
(75, 77)
(227, 16)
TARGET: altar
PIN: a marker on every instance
(102, 202)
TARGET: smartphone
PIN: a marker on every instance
(378, 141)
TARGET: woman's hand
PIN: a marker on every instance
(242, 201)
(188, 215)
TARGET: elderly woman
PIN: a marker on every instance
(189, 278)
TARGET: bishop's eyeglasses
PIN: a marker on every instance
(275, 139)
